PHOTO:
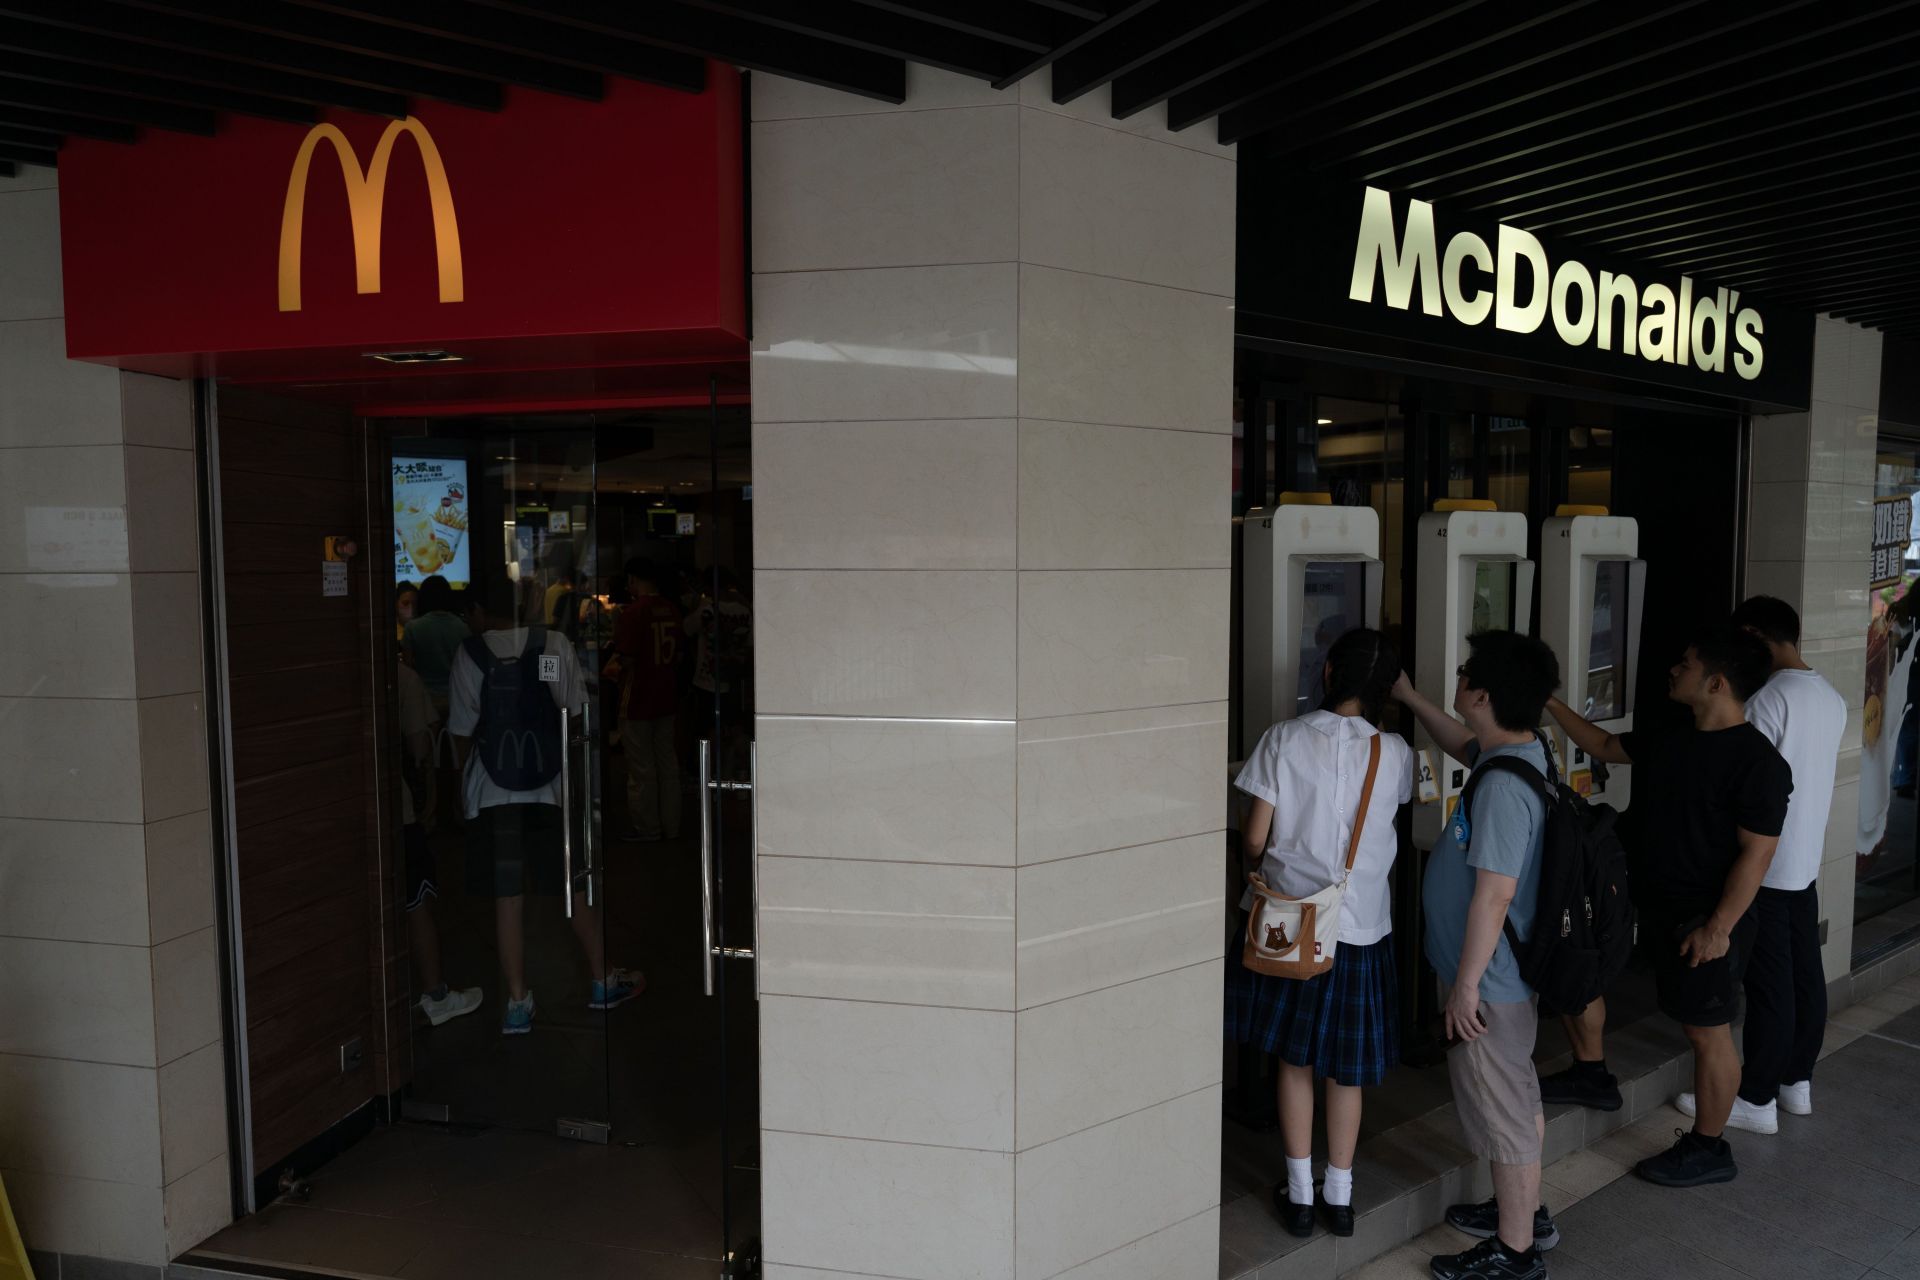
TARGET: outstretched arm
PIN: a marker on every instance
(1447, 733)
(1588, 736)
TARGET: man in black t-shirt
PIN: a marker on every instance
(1709, 802)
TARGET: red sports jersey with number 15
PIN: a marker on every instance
(648, 637)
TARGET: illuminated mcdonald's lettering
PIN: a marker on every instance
(366, 200)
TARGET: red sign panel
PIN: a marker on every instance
(551, 234)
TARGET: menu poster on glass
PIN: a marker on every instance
(430, 520)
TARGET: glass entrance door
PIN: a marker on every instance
(628, 537)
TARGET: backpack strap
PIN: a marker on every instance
(1533, 777)
(1366, 794)
(476, 647)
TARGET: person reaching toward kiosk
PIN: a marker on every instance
(1713, 799)
(1320, 991)
(1482, 877)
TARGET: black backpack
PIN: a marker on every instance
(518, 737)
(1582, 932)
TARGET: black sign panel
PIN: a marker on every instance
(1366, 261)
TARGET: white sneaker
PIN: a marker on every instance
(456, 1003)
(1797, 1099)
(1745, 1115)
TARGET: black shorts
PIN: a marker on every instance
(1703, 995)
(514, 849)
(419, 866)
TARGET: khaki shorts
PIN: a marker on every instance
(1495, 1085)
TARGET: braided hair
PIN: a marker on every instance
(1361, 666)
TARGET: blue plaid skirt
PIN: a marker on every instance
(1345, 1024)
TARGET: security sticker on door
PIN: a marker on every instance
(549, 668)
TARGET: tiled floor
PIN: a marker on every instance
(1834, 1197)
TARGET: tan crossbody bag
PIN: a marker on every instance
(1296, 937)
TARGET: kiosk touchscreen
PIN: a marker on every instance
(1312, 573)
(1591, 590)
(1474, 576)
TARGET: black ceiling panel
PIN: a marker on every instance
(1771, 144)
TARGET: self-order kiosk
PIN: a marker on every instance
(1591, 589)
(1312, 572)
(1474, 576)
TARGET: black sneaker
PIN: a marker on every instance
(1489, 1260)
(1483, 1220)
(1583, 1087)
(1692, 1161)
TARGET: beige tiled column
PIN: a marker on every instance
(1810, 542)
(112, 1106)
(991, 399)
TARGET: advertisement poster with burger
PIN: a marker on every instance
(430, 520)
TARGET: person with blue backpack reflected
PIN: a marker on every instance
(507, 687)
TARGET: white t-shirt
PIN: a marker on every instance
(1804, 717)
(416, 716)
(1311, 770)
(463, 714)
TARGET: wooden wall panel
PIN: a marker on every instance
(306, 692)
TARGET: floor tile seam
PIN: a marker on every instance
(1130, 1243)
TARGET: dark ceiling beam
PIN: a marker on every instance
(59, 123)
(355, 35)
(1808, 199)
(1266, 30)
(1086, 10)
(1849, 227)
(1846, 245)
(1774, 276)
(114, 54)
(1118, 14)
(28, 155)
(30, 138)
(1439, 35)
(513, 32)
(76, 75)
(1030, 27)
(6, 169)
(728, 39)
(1902, 290)
(859, 27)
(105, 106)
(1134, 44)
(198, 37)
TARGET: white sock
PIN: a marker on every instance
(1300, 1180)
(1338, 1188)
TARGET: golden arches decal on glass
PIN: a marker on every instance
(366, 200)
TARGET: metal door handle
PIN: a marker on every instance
(706, 861)
(566, 811)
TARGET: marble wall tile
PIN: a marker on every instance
(1095, 497)
(66, 635)
(179, 880)
(887, 1208)
(1778, 529)
(1843, 820)
(854, 495)
(904, 188)
(30, 273)
(1863, 446)
(1101, 200)
(907, 933)
(63, 756)
(1829, 439)
(65, 505)
(89, 1216)
(1781, 447)
(935, 644)
(163, 513)
(192, 1124)
(887, 790)
(1784, 579)
(197, 1205)
(928, 89)
(1188, 1250)
(75, 881)
(1115, 640)
(1096, 349)
(87, 1001)
(156, 411)
(1096, 921)
(30, 177)
(1834, 528)
(1093, 1058)
(82, 1119)
(887, 344)
(1863, 366)
(1832, 360)
(1107, 1186)
(1844, 666)
(1100, 781)
(167, 657)
(173, 756)
(1095, 107)
(892, 1072)
(47, 399)
(1835, 600)
(186, 996)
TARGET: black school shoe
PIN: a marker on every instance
(1483, 1221)
(1489, 1260)
(1296, 1218)
(1582, 1086)
(1692, 1161)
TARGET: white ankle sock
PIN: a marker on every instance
(1300, 1180)
(1338, 1188)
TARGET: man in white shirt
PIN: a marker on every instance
(1804, 717)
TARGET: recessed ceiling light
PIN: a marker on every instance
(415, 357)
(1323, 422)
